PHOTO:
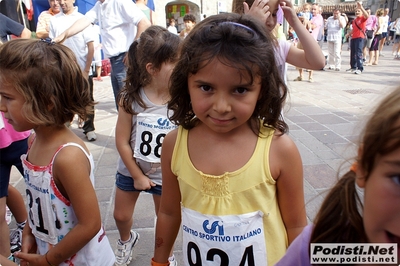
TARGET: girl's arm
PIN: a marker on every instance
(287, 167)
(311, 57)
(169, 214)
(122, 140)
(71, 170)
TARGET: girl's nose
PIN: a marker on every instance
(221, 104)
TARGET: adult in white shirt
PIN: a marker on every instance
(82, 44)
(121, 22)
(384, 30)
(334, 25)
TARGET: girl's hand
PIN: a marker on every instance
(30, 259)
(28, 241)
(288, 11)
(259, 10)
(143, 183)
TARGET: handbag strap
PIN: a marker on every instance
(355, 22)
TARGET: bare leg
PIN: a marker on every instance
(16, 204)
(4, 231)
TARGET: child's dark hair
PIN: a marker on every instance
(156, 46)
(48, 77)
(338, 220)
(189, 17)
(237, 41)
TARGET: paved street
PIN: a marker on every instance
(324, 117)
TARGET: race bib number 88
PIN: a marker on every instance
(150, 132)
(230, 240)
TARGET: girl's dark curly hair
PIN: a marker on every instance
(240, 42)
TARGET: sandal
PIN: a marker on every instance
(298, 79)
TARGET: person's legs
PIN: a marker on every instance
(359, 42)
(353, 54)
(125, 200)
(371, 57)
(382, 42)
(118, 74)
(300, 77)
(4, 231)
(88, 126)
(331, 55)
(376, 58)
(124, 206)
(15, 203)
(337, 47)
(310, 76)
(5, 169)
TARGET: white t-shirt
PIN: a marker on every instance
(334, 29)
(118, 20)
(77, 43)
(385, 23)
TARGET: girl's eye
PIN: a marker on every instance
(205, 88)
(274, 14)
(241, 90)
(5, 97)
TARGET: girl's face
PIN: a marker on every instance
(222, 97)
(382, 200)
(11, 103)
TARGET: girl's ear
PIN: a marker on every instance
(150, 69)
(360, 173)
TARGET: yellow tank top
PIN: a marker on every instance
(246, 190)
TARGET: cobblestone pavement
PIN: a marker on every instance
(324, 117)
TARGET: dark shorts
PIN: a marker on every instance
(125, 183)
(10, 156)
(384, 34)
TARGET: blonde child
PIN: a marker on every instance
(141, 126)
(364, 205)
(230, 173)
(310, 57)
(41, 88)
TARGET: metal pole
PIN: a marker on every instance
(20, 7)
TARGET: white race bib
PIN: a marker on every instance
(150, 132)
(42, 216)
(230, 240)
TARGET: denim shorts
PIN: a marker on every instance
(125, 183)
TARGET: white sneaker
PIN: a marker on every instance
(91, 136)
(172, 261)
(16, 239)
(123, 253)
